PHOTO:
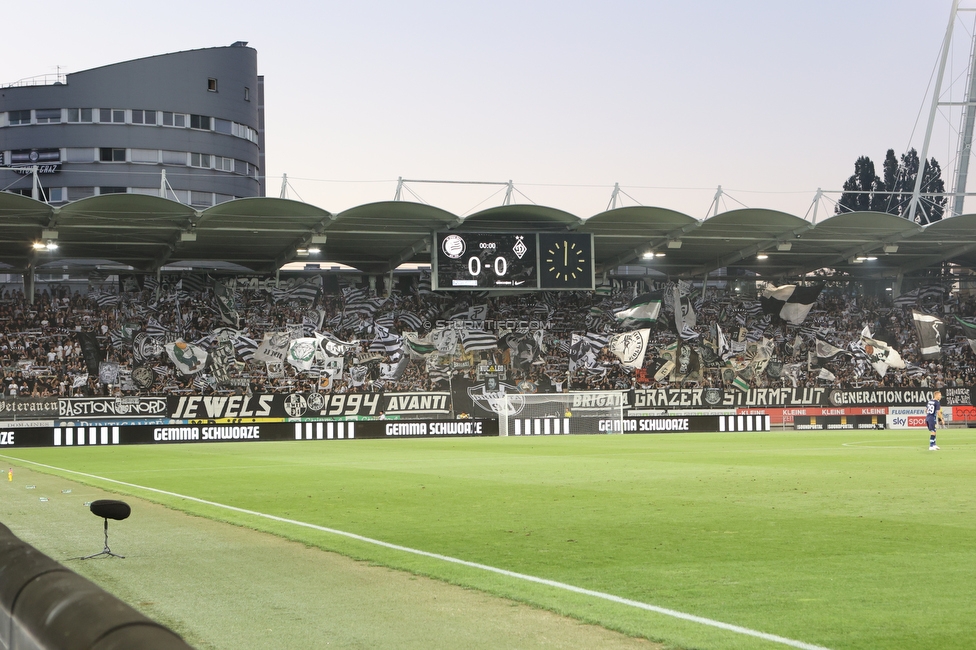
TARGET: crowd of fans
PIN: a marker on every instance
(42, 356)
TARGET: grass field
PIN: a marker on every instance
(839, 540)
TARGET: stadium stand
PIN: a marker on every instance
(416, 340)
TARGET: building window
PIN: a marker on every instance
(247, 94)
(76, 115)
(106, 154)
(212, 85)
(79, 155)
(183, 196)
(243, 131)
(19, 117)
(143, 117)
(48, 115)
(75, 193)
(200, 160)
(111, 190)
(200, 122)
(55, 195)
(223, 126)
(144, 156)
(174, 119)
(201, 198)
(111, 116)
(174, 157)
(224, 164)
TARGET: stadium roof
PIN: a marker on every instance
(263, 234)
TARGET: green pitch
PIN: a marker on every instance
(840, 540)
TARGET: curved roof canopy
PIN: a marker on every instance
(263, 234)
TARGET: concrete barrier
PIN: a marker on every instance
(46, 606)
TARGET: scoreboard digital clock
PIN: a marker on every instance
(512, 261)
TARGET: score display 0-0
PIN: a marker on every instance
(512, 261)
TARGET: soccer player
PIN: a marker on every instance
(933, 414)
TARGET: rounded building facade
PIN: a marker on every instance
(187, 126)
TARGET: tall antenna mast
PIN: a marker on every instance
(933, 109)
(965, 136)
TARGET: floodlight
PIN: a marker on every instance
(674, 243)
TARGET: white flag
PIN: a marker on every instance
(301, 352)
(188, 358)
(630, 347)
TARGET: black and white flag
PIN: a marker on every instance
(584, 349)
(226, 304)
(385, 341)
(307, 290)
(879, 354)
(90, 351)
(335, 346)
(790, 302)
(931, 334)
(826, 350)
(104, 299)
(478, 340)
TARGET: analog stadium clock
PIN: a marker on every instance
(565, 261)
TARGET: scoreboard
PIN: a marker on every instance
(512, 261)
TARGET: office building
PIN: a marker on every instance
(187, 126)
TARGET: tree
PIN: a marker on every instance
(930, 208)
(934, 206)
(860, 190)
(865, 191)
(894, 182)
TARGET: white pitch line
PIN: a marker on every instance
(445, 558)
(869, 444)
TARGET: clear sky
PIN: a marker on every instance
(769, 99)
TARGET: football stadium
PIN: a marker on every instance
(395, 426)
